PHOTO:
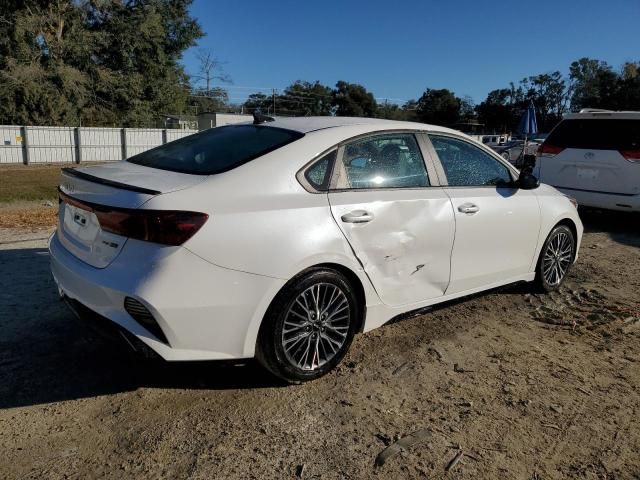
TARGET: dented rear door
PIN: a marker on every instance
(405, 248)
(401, 235)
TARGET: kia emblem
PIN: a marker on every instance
(588, 155)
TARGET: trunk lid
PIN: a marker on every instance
(120, 185)
(123, 184)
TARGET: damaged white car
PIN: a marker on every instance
(282, 239)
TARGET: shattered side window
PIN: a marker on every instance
(384, 161)
(319, 174)
(465, 165)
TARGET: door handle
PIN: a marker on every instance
(357, 216)
(468, 208)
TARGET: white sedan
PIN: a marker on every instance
(282, 239)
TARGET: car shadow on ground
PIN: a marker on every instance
(621, 227)
(47, 356)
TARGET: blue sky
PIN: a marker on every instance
(398, 48)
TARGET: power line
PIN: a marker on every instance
(268, 90)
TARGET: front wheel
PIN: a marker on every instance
(556, 258)
(309, 327)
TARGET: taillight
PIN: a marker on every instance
(631, 155)
(549, 150)
(168, 227)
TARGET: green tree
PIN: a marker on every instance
(214, 99)
(438, 107)
(259, 101)
(305, 99)
(628, 92)
(392, 111)
(550, 97)
(592, 83)
(94, 62)
(42, 51)
(467, 109)
(410, 108)
(496, 112)
(353, 100)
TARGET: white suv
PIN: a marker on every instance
(594, 156)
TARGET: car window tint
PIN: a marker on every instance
(319, 173)
(467, 165)
(384, 161)
(596, 134)
(216, 150)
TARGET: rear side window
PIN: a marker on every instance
(216, 150)
(319, 174)
(596, 134)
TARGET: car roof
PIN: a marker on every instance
(603, 114)
(312, 124)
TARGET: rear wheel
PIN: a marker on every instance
(309, 327)
(556, 258)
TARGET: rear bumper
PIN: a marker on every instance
(607, 201)
(206, 312)
(108, 330)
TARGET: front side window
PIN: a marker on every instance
(466, 165)
(383, 161)
(216, 150)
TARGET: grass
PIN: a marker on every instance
(29, 182)
(22, 190)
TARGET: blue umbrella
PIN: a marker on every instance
(528, 123)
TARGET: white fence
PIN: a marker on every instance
(32, 145)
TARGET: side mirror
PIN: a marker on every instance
(528, 181)
(359, 162)
(529, 160)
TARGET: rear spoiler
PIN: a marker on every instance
(123, 186)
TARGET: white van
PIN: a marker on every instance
(594, 156)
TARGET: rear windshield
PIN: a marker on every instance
(597, 134)
(216, 150)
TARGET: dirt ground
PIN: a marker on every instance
(528, 386)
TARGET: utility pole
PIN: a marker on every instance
(273, 94)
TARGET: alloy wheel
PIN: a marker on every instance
(316, 326)
(557, 258)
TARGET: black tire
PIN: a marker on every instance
(270, 349)
(562, 241)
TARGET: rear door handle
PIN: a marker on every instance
(357, 216)
(468, 208)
